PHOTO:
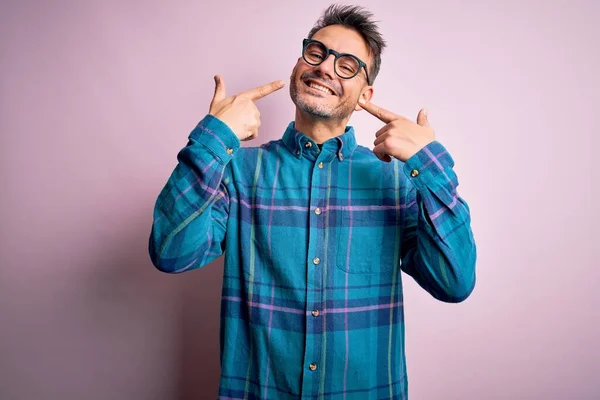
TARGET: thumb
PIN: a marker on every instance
(219, 90)
(422, 118)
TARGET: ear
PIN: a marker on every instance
(367, 94)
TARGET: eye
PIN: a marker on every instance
(347, 69)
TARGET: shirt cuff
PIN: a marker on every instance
(427, 164)
(217, 137)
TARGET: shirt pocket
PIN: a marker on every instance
(367, 242)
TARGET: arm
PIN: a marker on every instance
(438, 248)
(191, 213)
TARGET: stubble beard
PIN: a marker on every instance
(319, 111)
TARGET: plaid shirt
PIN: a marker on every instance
(314, 241)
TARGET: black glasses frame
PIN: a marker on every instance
(337, 55)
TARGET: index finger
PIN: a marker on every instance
(380, 112)
(262, 91)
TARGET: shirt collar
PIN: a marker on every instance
(301, 145)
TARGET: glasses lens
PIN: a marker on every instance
(347, 66)
(314, 53)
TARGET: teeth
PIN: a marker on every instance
(321, 88)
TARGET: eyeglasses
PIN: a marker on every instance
(346, 66)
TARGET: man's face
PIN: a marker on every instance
(343, 94)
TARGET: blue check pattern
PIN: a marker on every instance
(314, 242)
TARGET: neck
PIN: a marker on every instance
(319, 129)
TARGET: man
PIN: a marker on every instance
(315, 228)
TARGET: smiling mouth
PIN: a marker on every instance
(316, 86)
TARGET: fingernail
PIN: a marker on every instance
(361, 101)
(425, 112)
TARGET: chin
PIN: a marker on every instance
(316, 110)
(313, 104)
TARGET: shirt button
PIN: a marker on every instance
(315, 313)
(341, 156)
(312, 366)
(414, 173)
(316, 260)
(229, 150)
(318, 211)
(321, 165)
(308, 144)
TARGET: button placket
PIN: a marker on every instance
(316, 252)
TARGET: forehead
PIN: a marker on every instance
(343, 40)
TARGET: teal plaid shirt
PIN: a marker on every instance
(314, 242)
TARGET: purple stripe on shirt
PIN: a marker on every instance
(442, 210)
(264, 306)
(183, 192)
(211, 190)
(330, 208)
(299, 311)
(267, 207)
(362, 308)
(205, 129)
(186, 267)
(435, 160)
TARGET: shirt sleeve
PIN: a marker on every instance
(192, 210)
(438, 248)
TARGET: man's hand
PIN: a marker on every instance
(400, 137)
(239, 112)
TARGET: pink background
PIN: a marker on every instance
(97, 99)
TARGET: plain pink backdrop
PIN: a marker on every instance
(97, 99)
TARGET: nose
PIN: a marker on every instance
(327, 67)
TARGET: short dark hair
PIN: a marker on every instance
(361, 20)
